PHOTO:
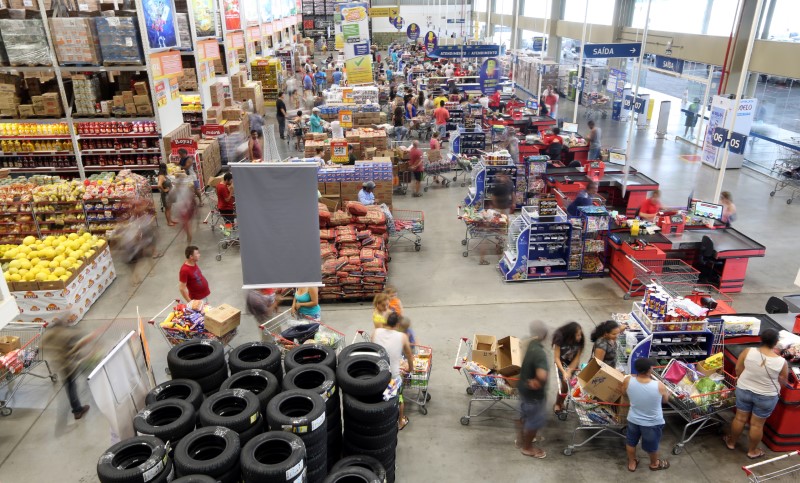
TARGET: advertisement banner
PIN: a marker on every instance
(233, 19)
(431, 41)
(384, 12)
(266, 11)
(167, 65)
(236, 40)
(204, 18)
(359, 70)
(398, 22)
(412, 32)
(339, 151)
(721, 116)
(251, 13)
(355, 34)
(458, 51)
(489, 76)
(159, 17)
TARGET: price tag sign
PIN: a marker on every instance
(737, 143)
(627, 104)
(638, 105)
(719, 136)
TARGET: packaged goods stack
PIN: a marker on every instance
(209, 157)
(192, 110)
(86, 90)
(188, 83)
(243, 90)
(119, 40)
(359, 140)
(268, 72)
(354, 251)
(25, 42)
(342, 184)
(76, 41)
(9, 95)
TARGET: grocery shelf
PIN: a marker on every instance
(123, 151)
(132, 167)
(40, 68)
(41, 169)
(33, 120)
(34, 138)
(114, 68)
(112, 119)
(36, 153)
(116, 136)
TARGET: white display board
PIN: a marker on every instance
(721, 115)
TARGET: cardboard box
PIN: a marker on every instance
(509, 356)
(484, 350)
(140, 88)
(601, 381)
(700, 367)
(9, 343)
(223, 319)
(141, 100)
(331, 202)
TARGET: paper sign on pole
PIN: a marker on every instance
(346, 119)
(339, 152)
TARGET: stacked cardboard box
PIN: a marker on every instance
(133, 103)
(208, 154)
(48, 105)
(184, 36)
(217, 90)
(26, 4)
(119, 40)
(9, 96)
(87, 94)
(76, 41)
(311, 146)
(182, 131)
(189, 80)
(25, 42)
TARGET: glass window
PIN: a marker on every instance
(601, 12)
(531, 40)
(480, 5)
(481, 30)
(502, 35)
(537, 8)
(504, 7)
(687, 16)
(784, 26)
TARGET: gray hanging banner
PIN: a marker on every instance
(276, 209)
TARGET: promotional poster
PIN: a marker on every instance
(431, 41)
(398, 22)
(159, 16)
(412, 32)
(266, 11)
(204, 13)
(233, 19)
(489, 76)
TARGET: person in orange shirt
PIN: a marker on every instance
(441, 115)
(651, 206)
(395, 305)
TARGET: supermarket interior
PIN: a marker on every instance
(546, 232)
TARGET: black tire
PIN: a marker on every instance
(273, 456)
(361, 461)
(370, 409)
(195, 479)
(297, 410)
(233, 475)
(254, 430)
(316, 455)
(167, 474)
(211, 383)
(195, 358)
(353, 474)
(363, 376)
(310, 354)
(235, 409)
(260, 382)
(255, 355)
(135, 460)
(313, 377)
(317, 474)
(185, 389)
(381, 454)
(168, 420)
(378, 441)
(208, 451)
(314, 438)
(363, 348)
(370, 428)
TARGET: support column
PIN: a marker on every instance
(515, 7)
(553, 40)
(735, 67)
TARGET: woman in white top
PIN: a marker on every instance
(761, 373)
(397, 345)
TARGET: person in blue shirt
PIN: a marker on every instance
(320, 78)
(337, 76)
(308, 84)
(389, 74)
(394, 57)
(315, 121)
(366, 196)
(584, 198)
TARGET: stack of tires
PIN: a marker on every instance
(143, 458)
(256, 355)
(211, 451)
(202, 361)
(235, 409)
(370, 423)
(302, 412)
(263, 384)
(275, 456)
(184, 389)
(359, 461)
(322, 380)
(168, 420)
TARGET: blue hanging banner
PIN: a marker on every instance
(489, 76)
(670, 64)
(412, 32)
(459, 51)
(431, 41)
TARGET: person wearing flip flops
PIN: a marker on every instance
(532, 381)
(397, 346)
(645, 417)
(761, 373)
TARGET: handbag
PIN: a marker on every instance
(675, 372)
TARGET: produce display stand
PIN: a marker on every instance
(601, 419)
(271, 330)
(483, 226)
(777, 468)
(21, 362)
(489, 389)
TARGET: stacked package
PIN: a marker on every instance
(354, 252)
(87, 94)
(25, 42)
(9, 95)
(119, 40)
(76, 41)
(185, 38)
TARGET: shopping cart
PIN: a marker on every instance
(403, 178)
(788, 179)
(478, 228)
(230, 237)
(698, 410)
(464, 166)
(601, 419)
(596, 107)
(296, 132)
(483, 387)
(697, 292)
(415, 381)
(19, 363)
(771, 469)
(406, 225)
(660, 271)
(436, 169)
(271, 331)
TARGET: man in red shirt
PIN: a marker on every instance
(192, 284)
(650, 207)
(494, 102)
(225, 199)
(441, 115)
(416, 166)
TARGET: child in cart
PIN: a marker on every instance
(380, 310)
(568, 343)
(397, 346)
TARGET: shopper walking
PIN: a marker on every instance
(568, 343)
(254, 150)
(308, 83)
(550, 97)
(416, 165)
(728, 208)
(191, 281)
(225, 199)
(306, 303)
(532, 382)
(761, 374)
(291, 91)
(337, 76)
(184, 206)
(512, 145)
(64, 345)
(321, 79)
(280, 113)
(691, 118)
(186, 162)
(398, 119)
(584, 198)
(164, 188)
(503, 201)
(645, 418)
(604, 340)
(595, 139)
(441, 115)
(397, 346)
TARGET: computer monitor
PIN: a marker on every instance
(569, 127)
(708, 210)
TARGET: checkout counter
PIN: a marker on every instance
(539, 144)
(571, 180)
(782, 428)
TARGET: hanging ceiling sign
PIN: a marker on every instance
(669, 64)
(607, 51)
(384, 12)
(458, 51)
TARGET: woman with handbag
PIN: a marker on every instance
(761, 373)
(568, 342)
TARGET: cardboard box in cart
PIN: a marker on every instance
(484, 350)
(509, 356)
(223, 319)
(9, 343)
(601, 381)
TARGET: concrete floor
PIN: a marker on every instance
(447, 297)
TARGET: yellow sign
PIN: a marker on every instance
(384, 11)
(339, 42)
(346, 119)
(347, 95)
(339, 151)
(355, 13)
(359, 70)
